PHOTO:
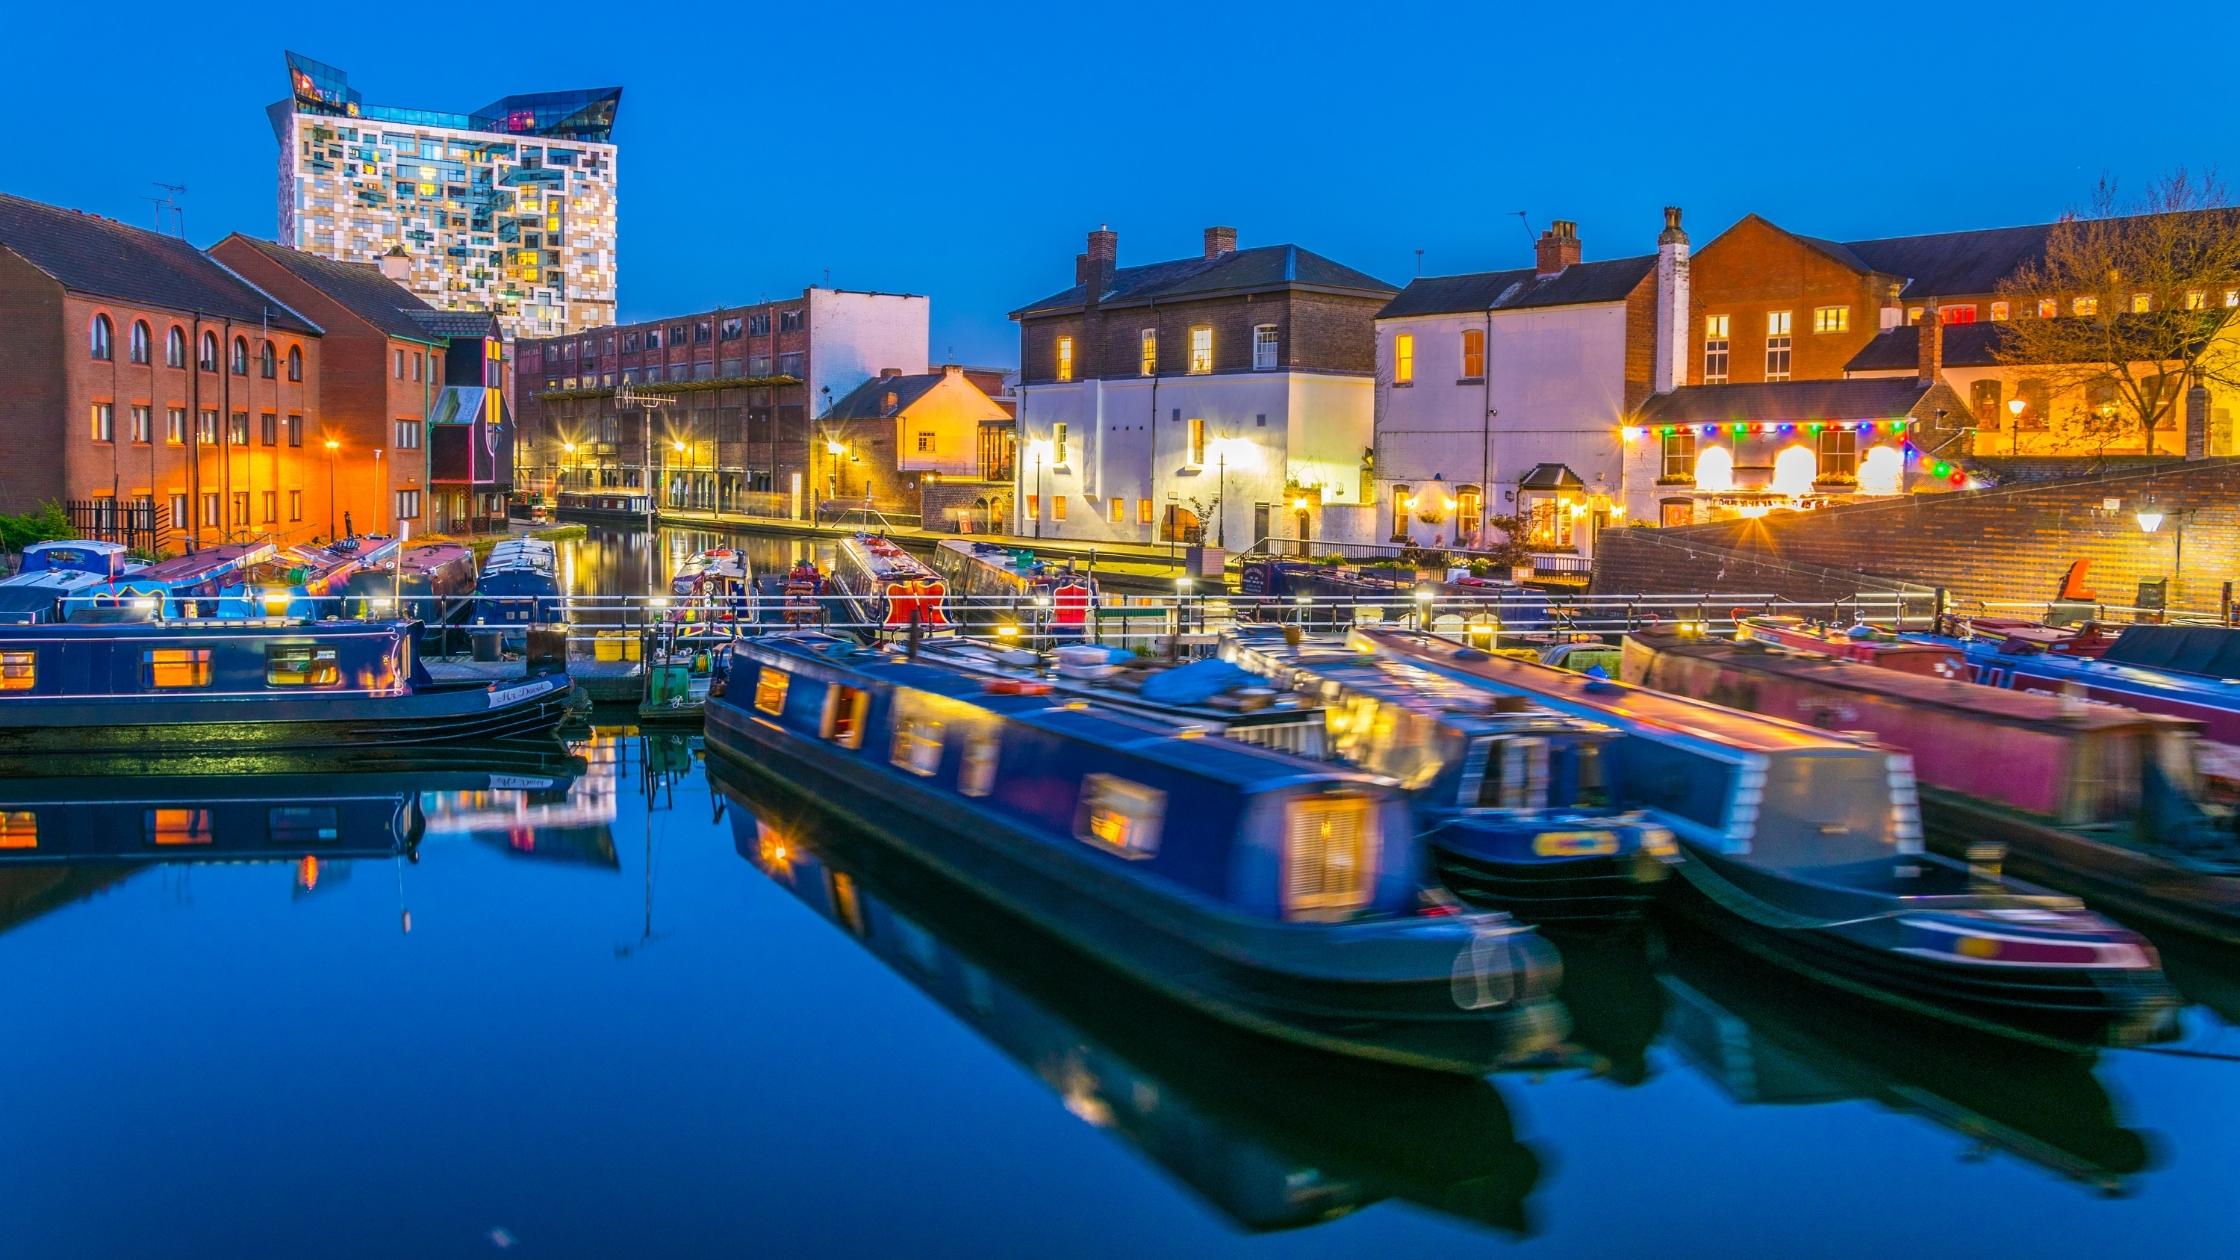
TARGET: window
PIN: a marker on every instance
(208, 360)
(98, 338)
(653, 339)
(1777, 345)
(1264, 348)
(844, 709)
(408, 505)
(2087, 305)
(271, 506)
(2197, 299)
(177, 826)
(104, 422)
(1057, 507)
(176, 667)
(238, 431)
(1715, 344)
(1831, 319)
(1404, 358)
(770, 691)
(1143, 511)
(917, 745)
(416, 358)
(1985, 403)
(789, 321)
(1117, 511)
(268, 362)
(1839, 453)
(1150, 361)
(1402, 502)
(175, 347)
(1034, 507)
(2034, 393)
(295, 506)
(2048, 308)
(19, 671)
(207, 431)
(1469, 508)
(925, 444)
(212, 509)
(1999, 311)
(397, 363)
(2141, 303)
(301, 665)
(1329, 852)
(240, 356)
(1201, 350)
(1965, 313)
(299, 826)
(408, 435)
(295, 363)
(977, 776)
(179, 509)
(1065, 358)
(1679, 456)
(19, 829)
(1119, 816)
(175, 426)
(140, 341)
(1059, 447)
(143, 424)
(1473, 354)
(1196, 454)
(268, 429)
(758, 325)
(731, 329)
(240, 507)
(1914, 314)
(295, 430)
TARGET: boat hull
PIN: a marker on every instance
(1402, 1006)
(1618, 886)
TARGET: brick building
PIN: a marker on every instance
(163, 399)
(898, 437)
(745, 385)
(1227, 395)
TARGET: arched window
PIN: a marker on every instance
(209, 357)
(240, 356)
(102, 349)
(140, 339)
(1794, 470)
(267, 365)
(1469, 513)
(295, 363)
(175, 347)
(1715, 469)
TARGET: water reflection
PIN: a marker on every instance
(1273, 1135)
(618, 560)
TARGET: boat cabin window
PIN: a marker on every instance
(977, 776)
(1591, 789)
(1329, 854)
(770, 690)
(846, 906)
(19, 829)
(298, 826)
(917, 745)
(176, 667)
(301, 665)
(1515, 774)
(1120, 815)
(168, 827)
(19, 671)
(844, 710)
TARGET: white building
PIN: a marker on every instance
(1506, 393)
(1227, 397)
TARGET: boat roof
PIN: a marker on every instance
(432, 555)
(1402, 685)
(204, 562)
(2208, 651)
(1621, 703)
(885, 558)
(206, 630)
(1949, 694)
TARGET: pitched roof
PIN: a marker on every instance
(1259, 269)
(99, 257)
(1610, 280)
(1894, 349)
(359, 288)
(1869, 398)
(453, 325)
(868, 400)
(1953, 263)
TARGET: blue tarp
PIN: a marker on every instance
(1197, 682)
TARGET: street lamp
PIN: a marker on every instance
(833, 450)
(2149, 516)
(677, 445)
(1041, 499)
(332, 447)
(2015, 407)
(567, 473)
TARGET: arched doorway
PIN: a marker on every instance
(1181, 525)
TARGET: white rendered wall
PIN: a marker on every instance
(853, 336)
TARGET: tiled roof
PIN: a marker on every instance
(868, 401)
(1953, 263)
(1260, 269)
(359, 288)
(1895, 349)
(99, 257)
(456, 324)
(1871, 398)
(1610, 280)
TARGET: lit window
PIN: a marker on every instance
(1831, 319)
(977, 776)
(19, 829)
(178, 826)
(1402, 503)
(1473, 353)
(1065, 358)
(19, 671)
(844, 709)
(300, 665)
(104, 422)
(1264, 348)
(1403, 358)
(1839, 453)
(1059, 448)
(1143, 511)
(2197, 299)
(1777, 345)
(1715, 346)
(177, 667)
(770, 691)
(2086, 305)
(1201, 350)
(1117, 510)
(1962, 314)
(1999, 311)
(2232, 297)
(1196, 454)
(1329, 853)
(1679, 455)
(2048, 308)
(1150, 352)
(1914, 314)
(1057, 507)
(917, 746)
(1120, 816)
(2141, 303)
(1034, 507)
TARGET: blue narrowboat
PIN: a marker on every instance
(519, 587)
(82, 687)
(1216, 1107)
(1279, 894)
(1510, 796)
(195, 585)
(432, 583)
(76, 555)
(49, 595)
(1805, 847)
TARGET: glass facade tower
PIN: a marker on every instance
(509, 208)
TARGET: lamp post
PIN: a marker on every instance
(567, 470)
(677, 445)
(1221, 499)
(1041, 500)
(2015, 407)
(833, 450)
(332, 447)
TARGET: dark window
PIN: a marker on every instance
(240, 356)
(175, 348)
(99, 338)
(268, 363)
(789, 321)
(269, 429)
(295, 363)
(140, 339)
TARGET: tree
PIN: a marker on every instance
(43, 525)
(2139, 290)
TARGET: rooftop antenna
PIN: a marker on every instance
(170, 197)
(1419, 262)
(1529, 238)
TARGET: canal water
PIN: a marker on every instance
(606, 1006)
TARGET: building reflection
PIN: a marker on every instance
(1274, 1136)
(569, 820)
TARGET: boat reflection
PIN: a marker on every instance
(567, 820)
(1274, 1136)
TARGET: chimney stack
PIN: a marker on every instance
(1093, 269)
(1893, 311)
(1558, 248)
(1220, 240)
(1931, 334)
(884, 373)
(1670, 370)
(396, 264)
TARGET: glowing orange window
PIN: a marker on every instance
(178, 667)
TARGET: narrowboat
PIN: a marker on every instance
(1509, 796)
(76, 555)
(305, 581)
(1275, 893)
(196, 585)
(884, 588)
(432, 583)
(1333, 596)
(991, 585)
(713, 585)
(207, 686)
(49, 595)
(1805, 848)
(1216, 1107)
(796, 597)
(2094, 798)
(1862, 643)
(621, 505)
(518, 587)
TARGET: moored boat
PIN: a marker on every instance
(518, 587)
(198, 584)
(1805, 847)
(990, 585)
(713, 585)
(76, 555)
(2094, 798)
(1861, 643)
(884, 588)
(1274, 893)
(429, 582)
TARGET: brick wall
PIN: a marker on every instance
(1755, 268)
(948, 501)
(30, 364)
(1316, 332)
(2005, 544)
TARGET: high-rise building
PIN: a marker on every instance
(508, 209)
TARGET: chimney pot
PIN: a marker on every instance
(1557, 248)
(884, 373)
(1672, 233)
(1220, 240)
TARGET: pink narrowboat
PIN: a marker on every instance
(2095, 798)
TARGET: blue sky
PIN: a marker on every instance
(962, 151)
